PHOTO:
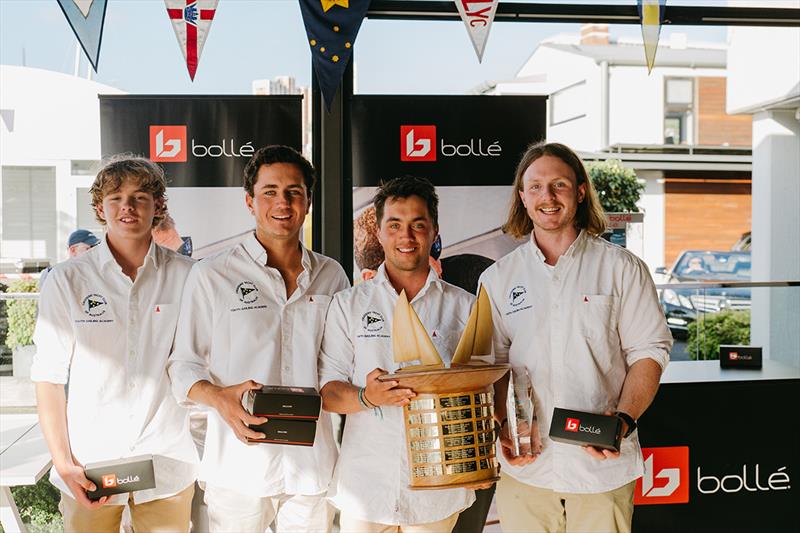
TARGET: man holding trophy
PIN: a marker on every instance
(581, 317)
(370, 484)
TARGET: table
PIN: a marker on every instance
(24, 459)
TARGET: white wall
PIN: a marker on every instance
(653, 228)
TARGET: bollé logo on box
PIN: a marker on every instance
(109, 481)
(168, 144)
(572, 425)
(666, 476)
(418, 143)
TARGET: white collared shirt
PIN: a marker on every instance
(108, 338)
(371, 479)
(577, 328)
(236, 324)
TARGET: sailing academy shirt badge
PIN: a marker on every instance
(516, 299)
(372, 325)
(94, 307)
(247, 293)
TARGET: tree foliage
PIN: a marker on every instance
(709, 331)
(21, 314)
(618, 187)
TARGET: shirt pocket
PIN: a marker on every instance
(598, 316)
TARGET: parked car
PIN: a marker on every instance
(682, 306)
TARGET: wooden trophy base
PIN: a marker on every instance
(449, 425)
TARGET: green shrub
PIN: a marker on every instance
(617, 186)
(709, 331)
(21, 314)
(38, 506)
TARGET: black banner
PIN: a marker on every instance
(720, 456)
(201, 141)
(451, 140)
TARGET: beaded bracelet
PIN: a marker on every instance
(366, 404)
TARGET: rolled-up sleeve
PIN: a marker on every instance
(189, 360)
(336, 359)
(643, 330)
(54, 336)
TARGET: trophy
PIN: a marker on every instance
(522, 427)
(449, 425)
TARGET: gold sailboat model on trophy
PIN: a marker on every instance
(449, 424)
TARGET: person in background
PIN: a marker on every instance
(165, 234)
(80, 241)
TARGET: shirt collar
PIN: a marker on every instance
(576, 245)
(106, 257)
(257, 252)
(432, 279)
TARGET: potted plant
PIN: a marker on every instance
(21, 321)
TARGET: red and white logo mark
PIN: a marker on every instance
(168, 144)
(572, 425)
(109, 481)
(666, 476)
(417, 143)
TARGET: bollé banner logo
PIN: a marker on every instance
(666, 476)
(168, 144)
(417, 143)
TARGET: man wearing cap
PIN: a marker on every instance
(80, 241)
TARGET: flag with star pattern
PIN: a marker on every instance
(86, 17)
(332, 26)
(191, 20)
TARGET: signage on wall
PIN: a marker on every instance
(452, 140)
(200, 141)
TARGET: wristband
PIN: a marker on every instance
(628, 419)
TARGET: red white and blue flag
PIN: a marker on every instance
(191, 20)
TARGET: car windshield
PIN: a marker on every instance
(730, 266)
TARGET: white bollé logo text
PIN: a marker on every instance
(471, 148)
(222, 150)
(778, 480)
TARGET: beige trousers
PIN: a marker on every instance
(526, 509)
(352, 525)
(167, 515)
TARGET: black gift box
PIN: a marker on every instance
(120, 475)
(735, 356)
(292, 414)
(581, 428)
(279, 401)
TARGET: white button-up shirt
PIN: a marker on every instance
(577, 329)
(371, 478)
(109, 338)
(236, 324)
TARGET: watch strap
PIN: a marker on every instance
(629, 421)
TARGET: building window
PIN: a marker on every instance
(28, 215)
(678, 110)
(568, 103)
(84, 167)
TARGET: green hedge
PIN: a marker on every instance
(617, 186)
(709, 331)
(21, 314)
(38, 507)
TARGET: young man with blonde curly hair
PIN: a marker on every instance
(105, 328)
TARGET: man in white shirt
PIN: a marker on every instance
(370, 484)
(106, 325)
(251, 315)
(582, 317)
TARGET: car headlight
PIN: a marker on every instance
(678, 300)
(685, 301)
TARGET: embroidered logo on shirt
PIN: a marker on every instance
(586, 299)
(247, 292)
(517, 296)
(372, 321)
(94, 305)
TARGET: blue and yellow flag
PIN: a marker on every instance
(332, 26)
(651, 13)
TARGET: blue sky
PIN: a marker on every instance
(256, 39)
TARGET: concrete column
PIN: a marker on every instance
(776, 234)
(652, 203)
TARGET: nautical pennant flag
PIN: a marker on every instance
(332, 26)
(86, 17)
(478, 16)
(651, 13)
(191, 20)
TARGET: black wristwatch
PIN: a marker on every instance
(628, 420)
